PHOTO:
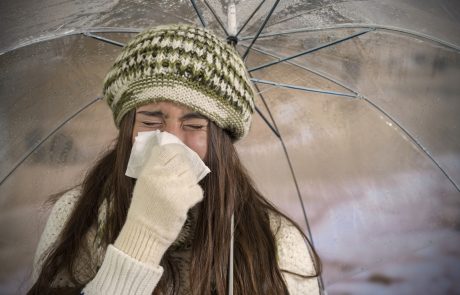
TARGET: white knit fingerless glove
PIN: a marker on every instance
(165, 190)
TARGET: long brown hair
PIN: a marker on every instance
(227, 189)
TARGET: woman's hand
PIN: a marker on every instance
(166, 189)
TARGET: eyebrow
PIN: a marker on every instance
(152, 114)
(192, 115)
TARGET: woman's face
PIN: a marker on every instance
(190, 127)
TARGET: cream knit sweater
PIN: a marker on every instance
(111, 271)
(155, 222)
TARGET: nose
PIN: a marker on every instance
(176, 129)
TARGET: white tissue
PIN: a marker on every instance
(143, 144)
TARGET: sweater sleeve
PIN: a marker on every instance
(122, 274)
(294, 258)
(118, 274)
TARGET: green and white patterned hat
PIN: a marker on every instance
(187, 65)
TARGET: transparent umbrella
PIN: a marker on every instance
(355, 136)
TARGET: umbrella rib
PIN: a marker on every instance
(273, 127)
(296, 87)
(260, 29)
(267, 122)
(308, 69)
(71, 32)
(399, 125)
(360, 26)
(291, 169)
(104, 39)
(231, 255)
(250, 17)
(48, 136)
(311, 50)
(289, 164)
(200, 16)
(298, 190)
(413, 139)
(419, 145)
(216, 17)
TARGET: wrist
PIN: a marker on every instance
(141, 243)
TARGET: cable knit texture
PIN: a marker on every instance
(103, 270)
(292, 255)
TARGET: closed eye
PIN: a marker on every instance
(152, 124)
(194, 123)
(194, 126)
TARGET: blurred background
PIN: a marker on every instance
(356, 134)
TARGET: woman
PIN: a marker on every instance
(167, 233)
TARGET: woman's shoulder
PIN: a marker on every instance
(293, 252)
(64, 206)
(57, 218)
(294, 257)
(59, 214)
(68, 198)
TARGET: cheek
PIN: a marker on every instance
(198, 142)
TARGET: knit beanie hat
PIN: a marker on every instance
(186, 65)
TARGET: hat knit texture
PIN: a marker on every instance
(186, 65)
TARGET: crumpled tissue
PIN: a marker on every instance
(143, 144)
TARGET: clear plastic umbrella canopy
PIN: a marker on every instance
(356, 134)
